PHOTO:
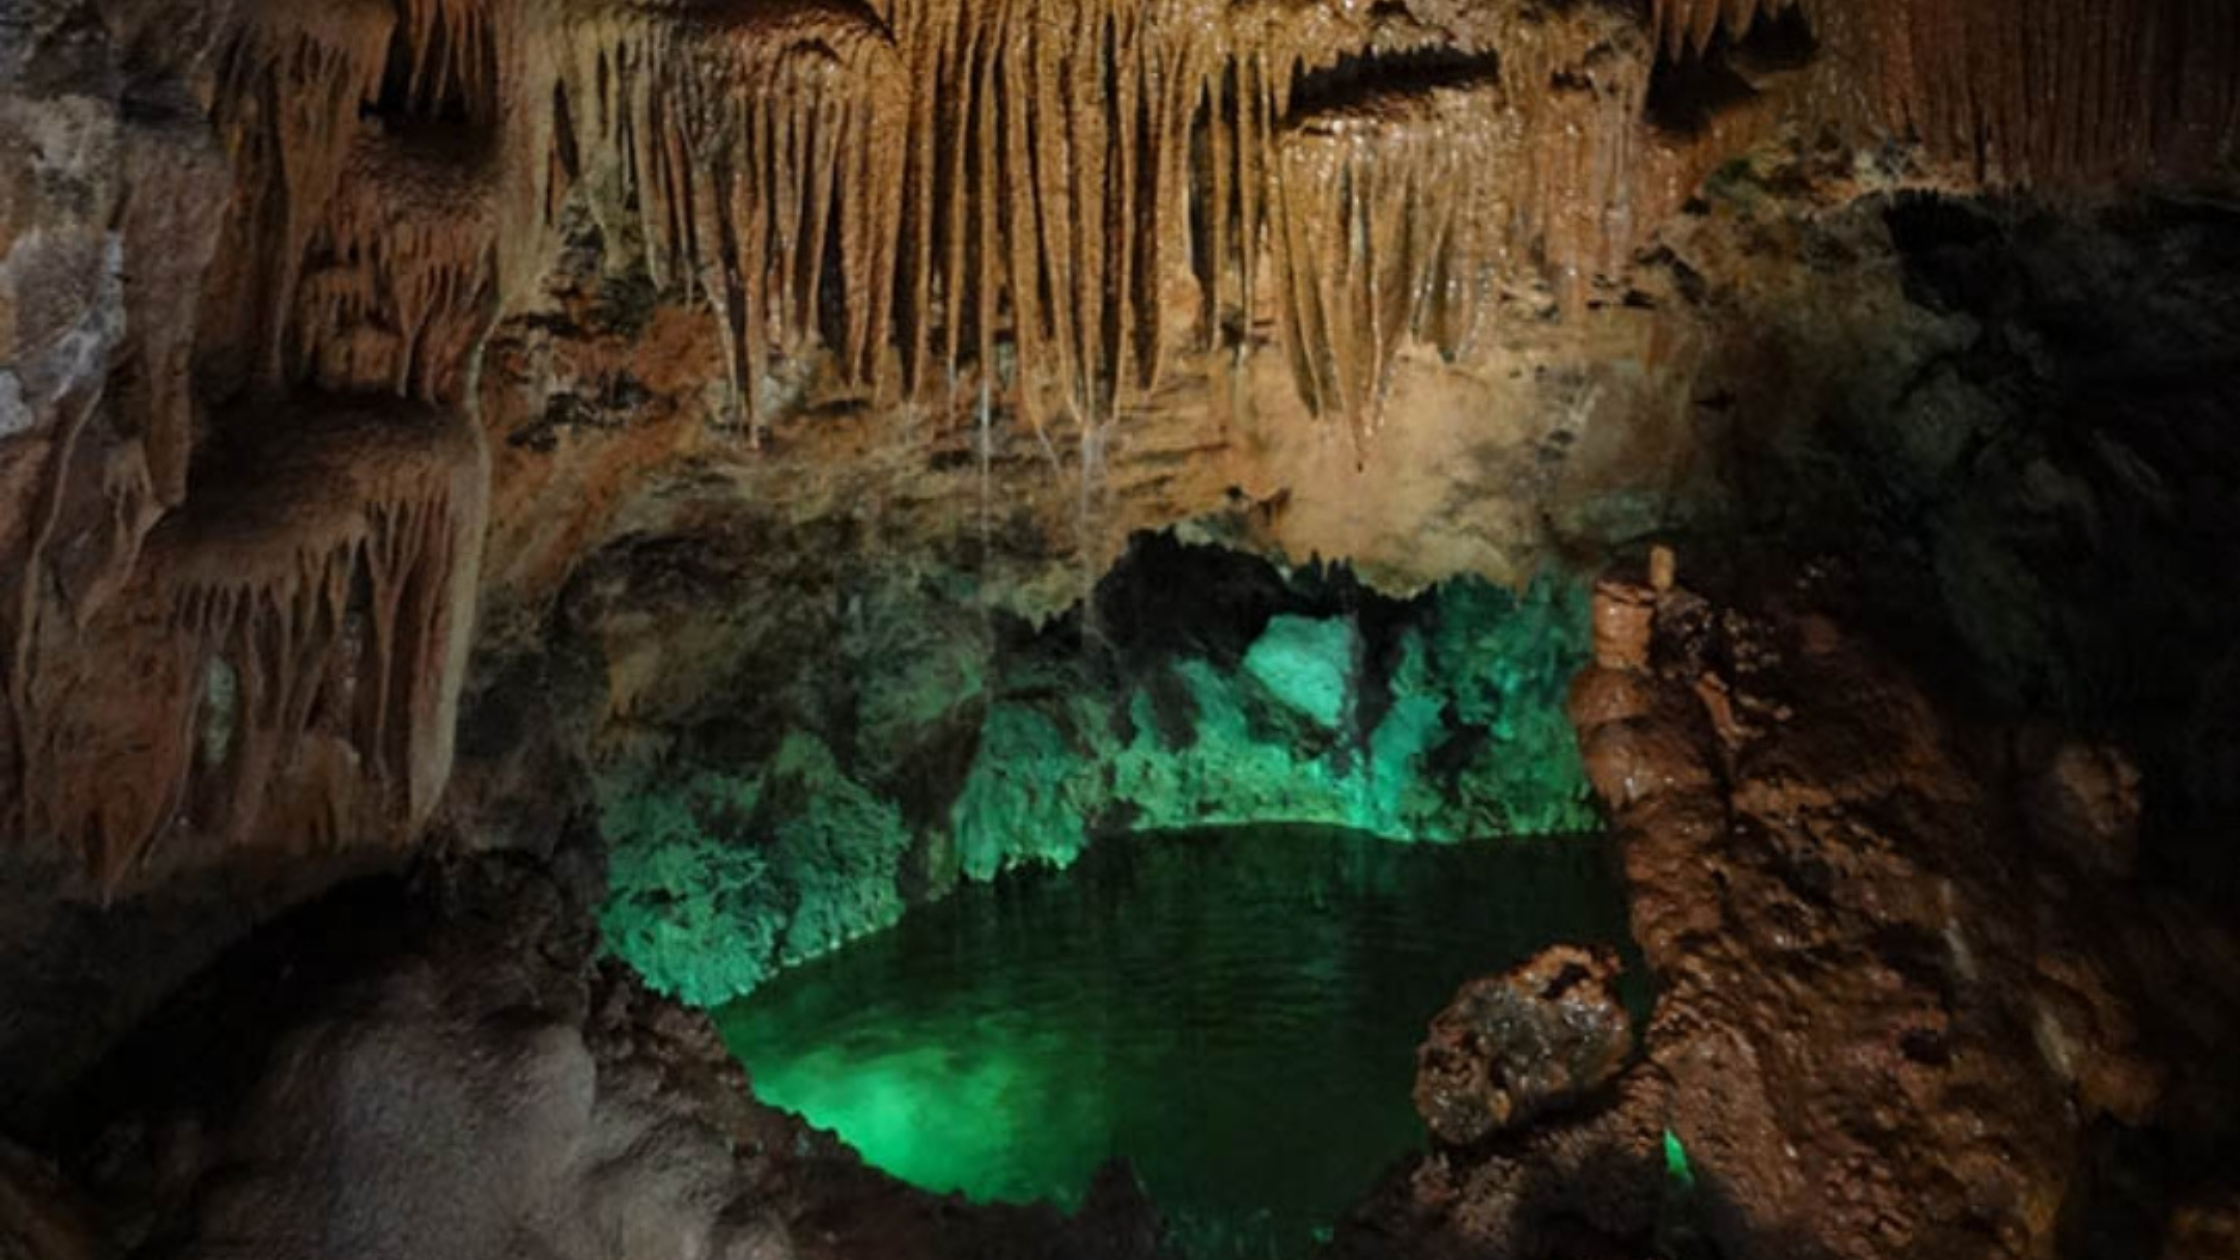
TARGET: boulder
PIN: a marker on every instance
(1514, 1047)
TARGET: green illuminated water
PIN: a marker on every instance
(1234, 1012)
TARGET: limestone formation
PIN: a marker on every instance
(1035, 217)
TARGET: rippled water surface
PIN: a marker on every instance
(1234, 1012)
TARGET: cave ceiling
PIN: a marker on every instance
(286, 287)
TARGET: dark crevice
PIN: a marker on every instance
(416, 93)
(1358, 81)
(1688, 91)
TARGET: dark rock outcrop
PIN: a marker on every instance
(1905, 1004)
(436, 1067)
(1512, 1048)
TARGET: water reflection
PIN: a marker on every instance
(1236, 1012)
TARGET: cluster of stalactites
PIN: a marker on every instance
(463, 58)
(1059, 199)
(2014, 92)
(1380, 237)
(1046, 168)
(1052, 172)
(346, 118)
(397, 288)
(1404, 217)
(906, 189)
(753, 153)
(315, 629)
(895, 187)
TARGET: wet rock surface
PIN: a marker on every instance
(1890, 1021)
(1512, 1048)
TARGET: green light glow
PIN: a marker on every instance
(1307, 665)
(1469, 736)
(1431, 721)
(1236, 1013)
(1676, 1162)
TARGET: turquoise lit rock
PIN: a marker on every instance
(1431, 720)
(1307, 664)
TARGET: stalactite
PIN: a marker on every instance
(1399, 207)
(761, 145)
(907, 184)
(379, 220)
(464, 55)
(2011, 92)
(1378, 226)
(1687, 27)
(328, 576)
(997, 206)
(397, 293)
(1031, 183)
(292, 83)
(944, 167)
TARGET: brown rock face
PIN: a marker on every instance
(1512, 1048)
(1903, 1002)
(1878, 1039)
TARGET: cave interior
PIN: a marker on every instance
(1120, 629)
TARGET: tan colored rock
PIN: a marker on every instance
(1624, 615)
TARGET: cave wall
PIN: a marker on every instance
(448, 424)
(1048, 273)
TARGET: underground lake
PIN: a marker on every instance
(1234, 1012)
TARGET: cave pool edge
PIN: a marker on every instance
(1234, 1011)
